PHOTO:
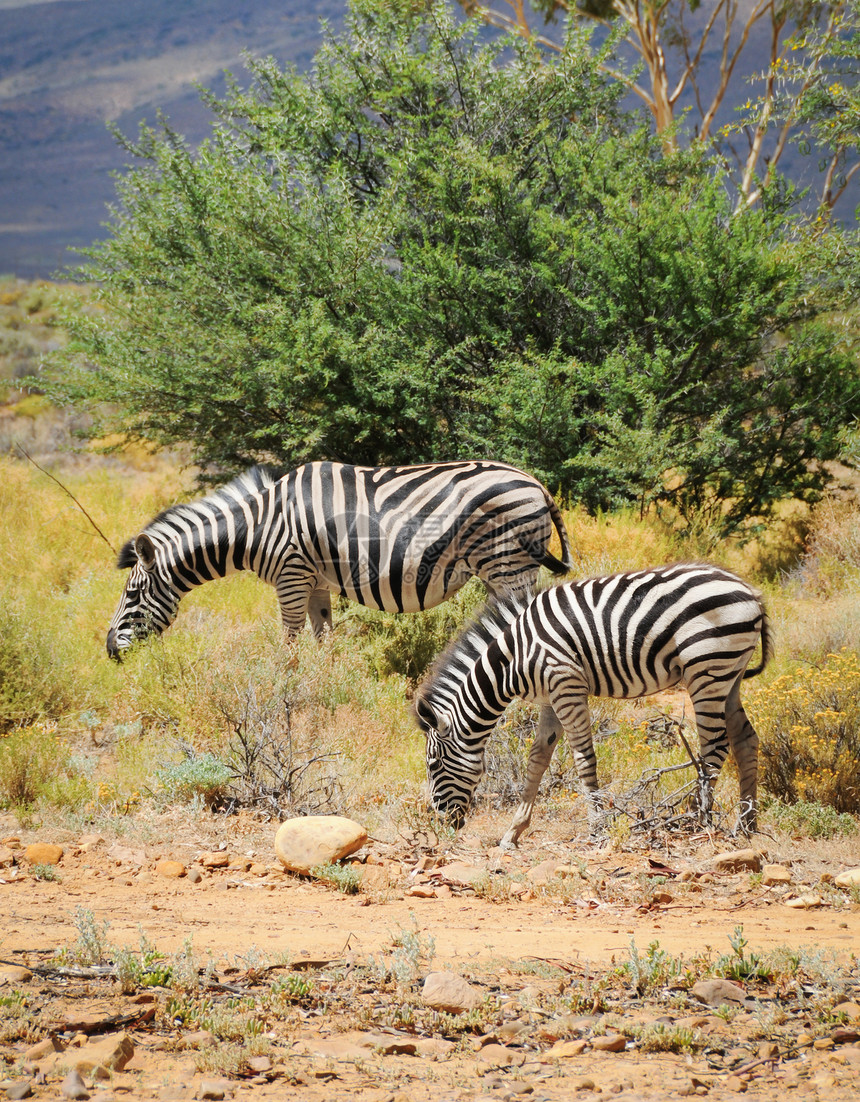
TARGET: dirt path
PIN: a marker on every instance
(520, 927)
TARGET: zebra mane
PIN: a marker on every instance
(250, 482)
(465, 649)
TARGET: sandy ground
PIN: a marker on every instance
(524, 928)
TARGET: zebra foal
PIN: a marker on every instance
(399, 539)
(624, 635)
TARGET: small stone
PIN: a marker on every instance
(564, 1050)
(112, 1052)
(42, 1049)
(7, 857)
(310, 840)
(772, 875)
(735, 1083)
(805, 902)
(449, 992)
(584, 1084)
(850, 878)
(738, 860)
(433, 1046)
(259, 1064)
(200, 1038)
(851, 1010)
(767, 1050)
(215, 1089)
(823, 1043)
(845, 1035)
(611, 1042)
(23, 1088)
(544, 872)
(171, 870)
(73, 1086)
(43, 853)
(719, 992)
(500, 1056)
(804, 1040)
(13, 974)
(216, 859)
(195, 875)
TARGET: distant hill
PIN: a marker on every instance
(67, 66)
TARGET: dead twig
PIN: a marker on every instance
(65, 490)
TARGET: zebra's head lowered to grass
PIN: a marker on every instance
(149, 601)
(456, 725)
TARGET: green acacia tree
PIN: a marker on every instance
(430, 248)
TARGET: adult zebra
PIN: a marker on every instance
(394, 538)
(624, 635)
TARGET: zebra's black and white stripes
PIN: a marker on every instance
(394, 538)
(624, 635)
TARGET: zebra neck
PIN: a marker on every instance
(487, 690)
(203, 555)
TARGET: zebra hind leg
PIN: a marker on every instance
(744, 744)
(710, 708)
(540, 756)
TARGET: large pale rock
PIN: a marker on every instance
(848, 879)
(449, 992)
(310, 840)
(43, 853)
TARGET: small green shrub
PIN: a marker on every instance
(32, 764)
(344, 878)
(808, 723)
(808, 819)
(198, 775)
(739, 964)
(45, 872)
(31, 679)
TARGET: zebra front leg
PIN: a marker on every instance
(540, 756)
(319, 611)
(294, 596)
(743, 741)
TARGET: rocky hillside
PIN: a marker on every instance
(68, 66)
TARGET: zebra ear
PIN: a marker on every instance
(424, 713)
(429, 717)
(144, 548)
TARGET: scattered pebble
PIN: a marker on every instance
(738, 860)
(73, 1086)
(449, 992)
(172, 870)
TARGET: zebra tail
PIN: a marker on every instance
(766, 646)
(565, 564)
